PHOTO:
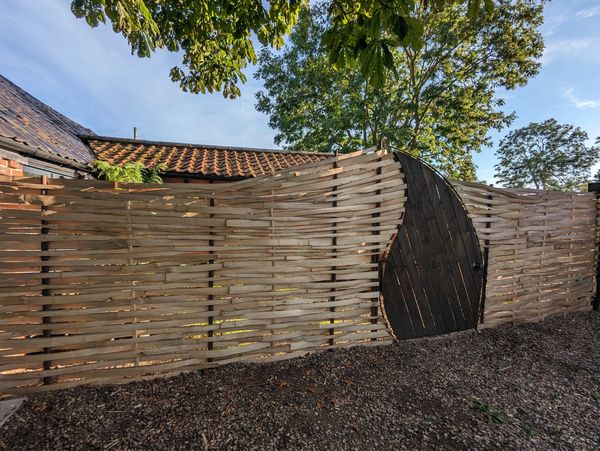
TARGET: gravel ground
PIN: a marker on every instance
(534, 386)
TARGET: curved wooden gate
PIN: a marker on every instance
(433, 277)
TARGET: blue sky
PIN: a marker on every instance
(91, 76)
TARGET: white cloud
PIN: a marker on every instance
(589, 12)
(559, 49)
(552, 23)
(581, 103)
(566, 14)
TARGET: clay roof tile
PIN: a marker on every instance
(200, 160)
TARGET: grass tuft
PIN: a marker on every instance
(493, 414)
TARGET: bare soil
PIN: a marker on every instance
(534, 386)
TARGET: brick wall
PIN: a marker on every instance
(10, 167)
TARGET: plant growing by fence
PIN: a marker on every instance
(133, 172)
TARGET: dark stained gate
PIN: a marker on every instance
(433, 277)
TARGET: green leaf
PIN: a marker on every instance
(473, 8)
(361, 44)
(388, 59)
(399, 26)
(415, 34)
(132, 172)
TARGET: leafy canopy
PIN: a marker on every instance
(546, 155)
(439, 106)
(368, 31)
(215, 37)
(133, 172)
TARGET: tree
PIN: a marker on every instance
(216, 37)
(546, 155)
(439, 106)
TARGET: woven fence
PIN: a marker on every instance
(110, 283)
(541, 249)
(104, 282)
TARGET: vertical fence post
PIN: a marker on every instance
(272, 255)
(572, 200)
(375, 256)
(333, 268)
(595, 188)
(131, 263)
(486, 262)
(45, 246)
(211, 275)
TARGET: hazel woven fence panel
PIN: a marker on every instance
(101, 282)
(541, 249)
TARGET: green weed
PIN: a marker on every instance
(493, 414)
(528, 429)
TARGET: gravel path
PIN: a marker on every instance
(532, 386)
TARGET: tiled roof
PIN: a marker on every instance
(26, 120)
(197, 159)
